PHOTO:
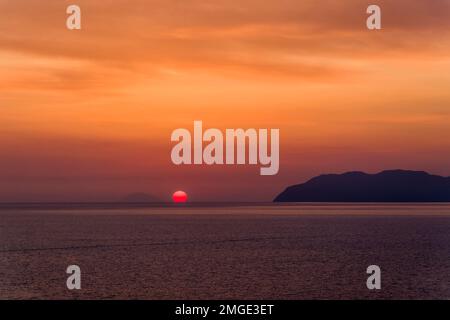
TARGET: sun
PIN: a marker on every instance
(179, 196)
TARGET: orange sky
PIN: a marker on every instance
(87, 115)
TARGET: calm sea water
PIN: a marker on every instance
(226, 252)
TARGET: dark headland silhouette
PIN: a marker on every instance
(386, 186)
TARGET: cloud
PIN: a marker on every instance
(272, 38)
(80, 109)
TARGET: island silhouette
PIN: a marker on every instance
(140, 197)
(386, 186)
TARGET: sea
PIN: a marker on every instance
(225, 251)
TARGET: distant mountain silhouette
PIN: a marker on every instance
(386, 186)
(140, 197)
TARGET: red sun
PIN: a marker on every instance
(179, 197)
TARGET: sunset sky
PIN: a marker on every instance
(86, 115)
